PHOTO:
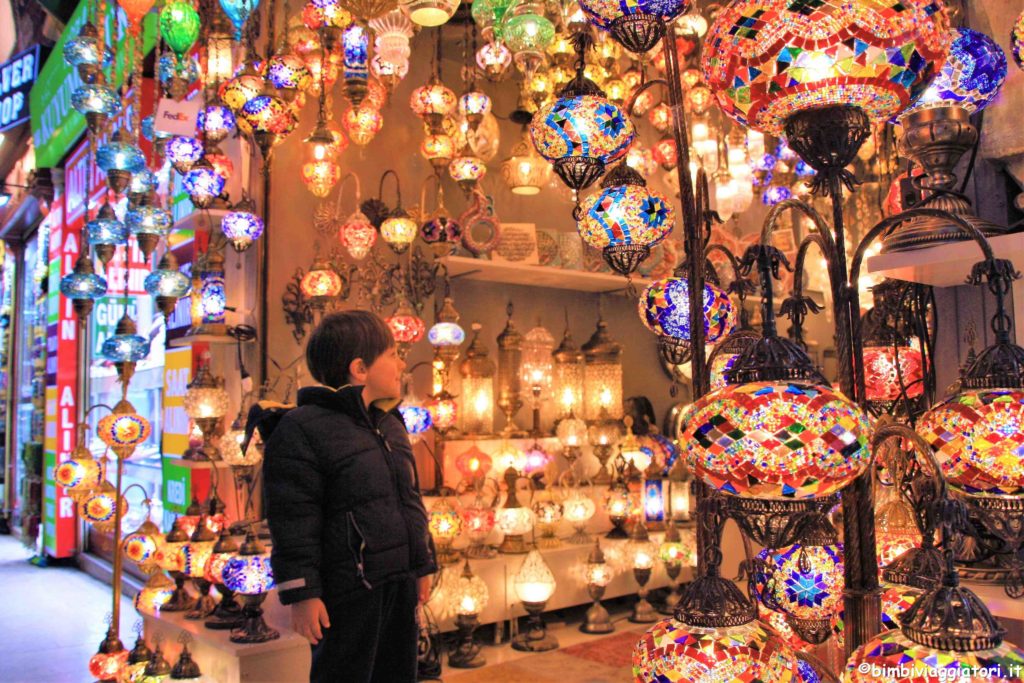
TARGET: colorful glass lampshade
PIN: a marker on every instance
(775, 194)
(467, 170)
(155, 593)
(761, 82)
(99, 507)
(474, 105)
(203, 184)
(327, 14)
(508, 455)
(585, 132)
(82, 53)
(320, 283)
(179, 26)
(571, 432)
(893, 371)
(971, 77)
(429, 13)
(167, 284)
(577, 509)
(444, 525)
(438, 150)
(216, 122)
(488, 14)
(446, 334)
(470, 595)
(238, 12)
(636, 24)
(978, 440)
(527, 33)
(105, 232)
(567, 373)
(534, 582)
(287, 73)
(896, 530)
(664, 309)
(96, 102)
(673, 652)
(405, 325)
(398, 231)
(416, 418)
(183, 152)
(494, 60)
(141, 547)
(81, 472)
(241, 227)
(524, 170)
(269, 115)
(83, 286)
(212, 295)
(119, 158)
(806, 583)
(442, 232)
(148, 219)
(356, 62)
(432, 102)
(776, 440)
(357, 235)
(362, 123)
(321, 176)
(248, 574)
(235, 92)
(125, 345)
(625, 219)
(444, 411)
(124, 429)
(473, 463)
(1017, 41)
(110, 660)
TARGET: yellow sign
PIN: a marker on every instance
(177, 374)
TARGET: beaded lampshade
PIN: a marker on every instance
(971, 77)
(776, 440)
(768, 59)
(979, 440)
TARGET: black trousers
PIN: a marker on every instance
(372, 639)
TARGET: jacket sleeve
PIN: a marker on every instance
(294, 488)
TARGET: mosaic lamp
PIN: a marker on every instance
(548, 512)
(206, 403)
(357, 235)
(125, 348)
(138, 658)
(242, 226)
(769, 60)
(227, 614)
(142, 546)
(148, 222)
(513, 519)
(638, 26)
(477, 371)
(1017, 41)
(155, 593)
(674, 551)
(183, 152)
(98, 507)
(432, 102)
(534, 585)
(110, 659)
(119, 158)
(581, 131)
(81, 472)
(362, 123)
(398, 230)
(249, 574)
(494, 60)
(287, 73)
(896, 530)
(416, 418)
(577, 509)
(625, 220)
(179, 26)
(123, 429)
(406, 327)
(97, 103)
(618, 504)
(320, 284)
(527, 33)
(598, 574)
(478, 519)
(892, 371)
(203, 184)
(171, 558)
(197, 553)
(467, 599)
(429, 13)
(83, 286)
(105, 233)
(82, 53)
(329, 18)
(971, 77)
(664, 309)
(321, 170)
(238, 12)
(445, 525)
(473, 463)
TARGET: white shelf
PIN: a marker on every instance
(945, 265)
(467, 268)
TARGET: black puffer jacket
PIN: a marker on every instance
(343, 501)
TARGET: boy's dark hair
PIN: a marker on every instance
(342, 337)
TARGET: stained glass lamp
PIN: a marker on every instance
(99, 506)
(97, 103)
(82, 53)
(534, 585)
(197, 553)
(149, 222)
(971, 77)
(444, 412)
(406, 327)
(494, 60)
(125, 345)
(527, 33)
(141, 546)
(206, 403)
(513, 519)
(442, 232)
(473, 463)
(357, 235)
(446, 335)
(83, 286)
(432, 102)
(468, 597)
(242, 227)
(179, 26)
(639, 26)
(81, 472)
(524, 170)
(664, 309)
(107, 663)
(249, 574)
(477, 371)
(105, 233)
(1017, 41)
(602, 375)
(123, 430)
(416, 419)
(809, 62)
(183, 152)
(119, 159)
(362, 123)
(429, 13)
(598, 574)
(445, 525)
(776, 440)
(398, 230)
(154, 594)
(467, 170)
(625, 219)
(478, 519)
(288, 74)
(892, 371)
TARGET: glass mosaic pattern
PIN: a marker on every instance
(321, 283)
(356, 50)
(766, 59)
(672, 652)
(118, 155)
(96, 99)
(269, 114)
(203, 185)
(446, 334)
(444, 522)
(441, 229)
(777, 440)
(416, 418)
(183, 151)
(894, 657)
(625, 214)
(120, 348)
(664, 309)
(249, 574)
(406, 328)
(357, 235)
(433, 98)
(123, 429)
(1017, 41)
(603, 12)
(720, 365)
(971, 77)
(895, 601)
(805, 581)
(83, 286)
(583, 126)
(238, 90)
(78, 474)
(978, 437)
(148, 220)
(241, 228)
(140, 547)
(887, 372)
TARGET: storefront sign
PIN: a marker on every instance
(17, 75)
(177, 488)
(177, 374)
(59, 528)
(177, 117)
(55, 123)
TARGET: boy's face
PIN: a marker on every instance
(384, 376)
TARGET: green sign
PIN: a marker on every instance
(55, 123)
(177, 487)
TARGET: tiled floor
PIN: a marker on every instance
(53, 619)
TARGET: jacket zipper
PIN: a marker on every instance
(357, 555)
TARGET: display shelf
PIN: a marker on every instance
(944, 265)
(464, 267)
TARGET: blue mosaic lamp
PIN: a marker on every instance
(250, 575)
(119, 158)
(149, 222)
(775, 194)
(177, 74)
(97, 103)
(242, 226)
(166, 284)
(105, 233)
(416, 418)
(625, 219)
(183, 152)
(664, 309)
(971, 77)
(636, 25)
(125, 345)
(83, 286)
(203, 184)
(216, 122)
(142, 183)
(446, 335)
(82, 53)
(581, 131)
